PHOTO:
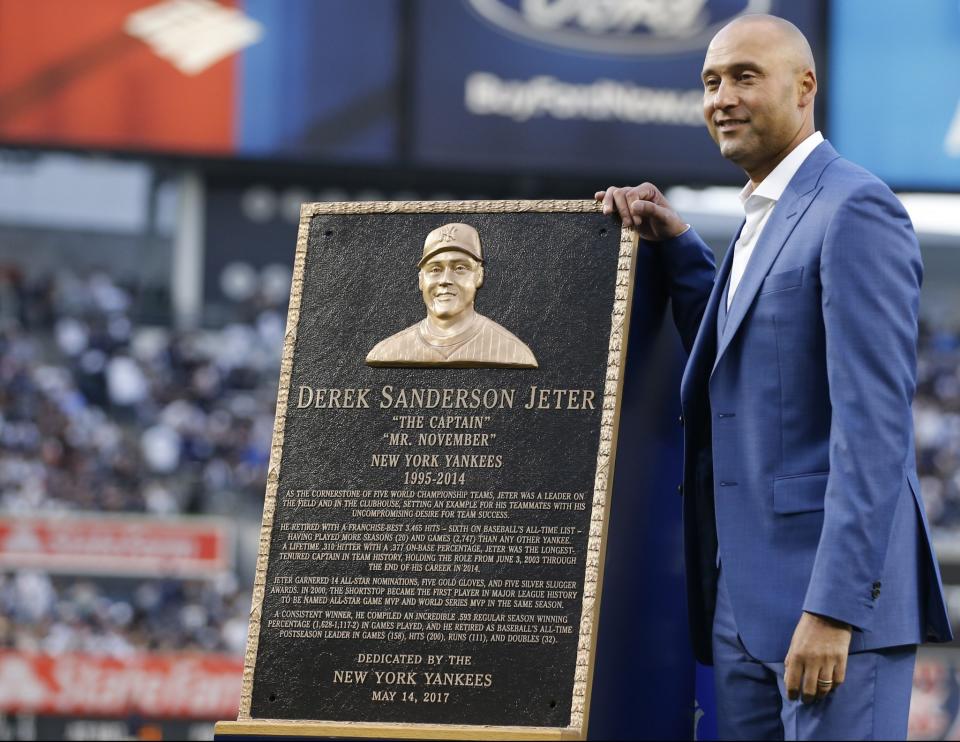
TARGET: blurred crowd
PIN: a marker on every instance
(40, 613)
(99, 411)
(936, 413)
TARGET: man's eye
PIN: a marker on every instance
(747, 77)
(461, 269)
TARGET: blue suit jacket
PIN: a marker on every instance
(799, 453)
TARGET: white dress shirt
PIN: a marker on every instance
(758, 204)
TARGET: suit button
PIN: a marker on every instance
(679, 489)
(876, 593)
(680, 420)
(876, 585)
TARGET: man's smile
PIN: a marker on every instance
(730, 124)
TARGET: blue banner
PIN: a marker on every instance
(573, 86)
(894, 89)
(322, 81)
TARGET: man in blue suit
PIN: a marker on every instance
(808, 556)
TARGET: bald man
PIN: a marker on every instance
(811, 577)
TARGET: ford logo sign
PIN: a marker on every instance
(620, 27)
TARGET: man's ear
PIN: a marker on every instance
(808, 88)
(420, 280)
(480, 276)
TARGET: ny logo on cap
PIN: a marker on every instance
(448, 233)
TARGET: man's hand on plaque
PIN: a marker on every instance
(817, 660)
(644, 208)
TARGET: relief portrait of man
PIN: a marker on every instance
(453, 333)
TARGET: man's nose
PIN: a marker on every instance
(725, 96)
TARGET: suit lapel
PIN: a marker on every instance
(701, 354)
(798, 195)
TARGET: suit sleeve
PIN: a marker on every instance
(690, 270)
(870, 272)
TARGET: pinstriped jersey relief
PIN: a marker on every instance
(484, 343)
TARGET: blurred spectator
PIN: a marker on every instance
(937, 416)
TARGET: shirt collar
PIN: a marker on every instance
(773, 186)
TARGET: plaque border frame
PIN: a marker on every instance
(603, 488)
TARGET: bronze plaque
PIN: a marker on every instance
(433, 532)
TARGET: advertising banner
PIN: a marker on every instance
(183, 686)
(120, 74)
(117, 546)
(203, 77)
(574, 86)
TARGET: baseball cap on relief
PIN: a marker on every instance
(453, 236)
